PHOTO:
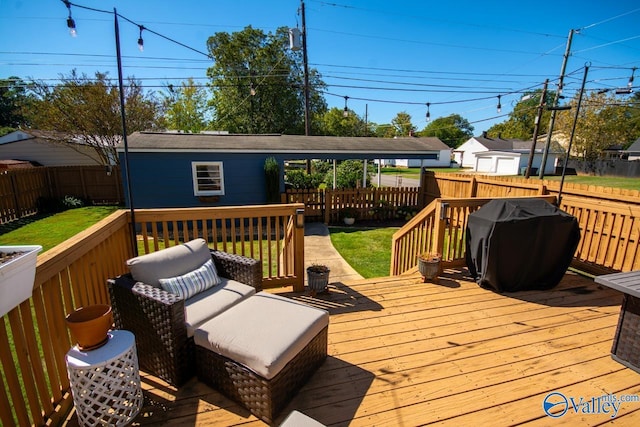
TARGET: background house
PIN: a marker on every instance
(442, 159)
(633, 152)
(46, 148)
(505, 156)
(186, 170)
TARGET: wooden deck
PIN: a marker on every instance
(406, 353)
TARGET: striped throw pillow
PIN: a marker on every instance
(192, 283)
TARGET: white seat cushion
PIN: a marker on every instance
(214, 301)
(263, 332)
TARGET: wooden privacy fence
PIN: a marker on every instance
(437, 185)
(34, 388)
(608, 217)
(20, 189)
(368, 203)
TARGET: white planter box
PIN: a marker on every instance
(17, 276)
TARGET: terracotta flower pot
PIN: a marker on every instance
(89, 325)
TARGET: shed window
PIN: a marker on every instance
(208, 178)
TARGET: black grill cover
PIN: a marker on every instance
(520, 244)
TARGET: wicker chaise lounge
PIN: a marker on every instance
(164, 339)
(256, 348)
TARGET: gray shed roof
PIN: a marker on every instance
(634, 148)
(300, 144)
(500, 144)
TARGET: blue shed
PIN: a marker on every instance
(171, 169)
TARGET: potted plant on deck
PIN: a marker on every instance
(429, 266)
(17, 273)
(317, 278)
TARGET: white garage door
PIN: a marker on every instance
(507, 166)
(484, 164)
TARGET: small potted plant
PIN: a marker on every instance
(317, 278)
(349, 215)
(429, 266)
(17, 273)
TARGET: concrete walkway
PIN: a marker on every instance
(318, 249)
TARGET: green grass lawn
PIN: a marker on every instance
(414, 173)
(367, 250)
(603, 181)
(52, 230)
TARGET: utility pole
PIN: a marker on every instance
(305, 60)
(573, 131)
(536, 128)
(555, 104)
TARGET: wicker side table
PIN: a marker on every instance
(105, 382)
(626, 343)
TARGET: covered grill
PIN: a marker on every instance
(520, 244)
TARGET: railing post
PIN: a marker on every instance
(298, 285)
(442, 210)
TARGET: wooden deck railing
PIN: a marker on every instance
(609, 234)
(438, 228)
(33, 336)
(267, 233)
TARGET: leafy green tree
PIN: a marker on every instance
(321, 166)
(521, 121)
(604, 120)
(386, 130)
(300, 179)
(186, 107)
(13, 97)
(349, 174)
(257, 83)
(633, 112)
(402, 124)
(89, 109)
(453, 130)
(334, 123)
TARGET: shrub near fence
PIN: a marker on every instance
(20, 189)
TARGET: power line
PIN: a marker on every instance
(142, 27)
(448, 45)
(610, 19)
(430, 18)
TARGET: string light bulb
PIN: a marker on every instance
(71, 24)
(428, 112)
(252, 89)
(140, 41)
(630, 83)
(345, 113)
(499, 104)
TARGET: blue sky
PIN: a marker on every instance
(387, 57)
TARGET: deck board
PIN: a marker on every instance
(404, 353)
